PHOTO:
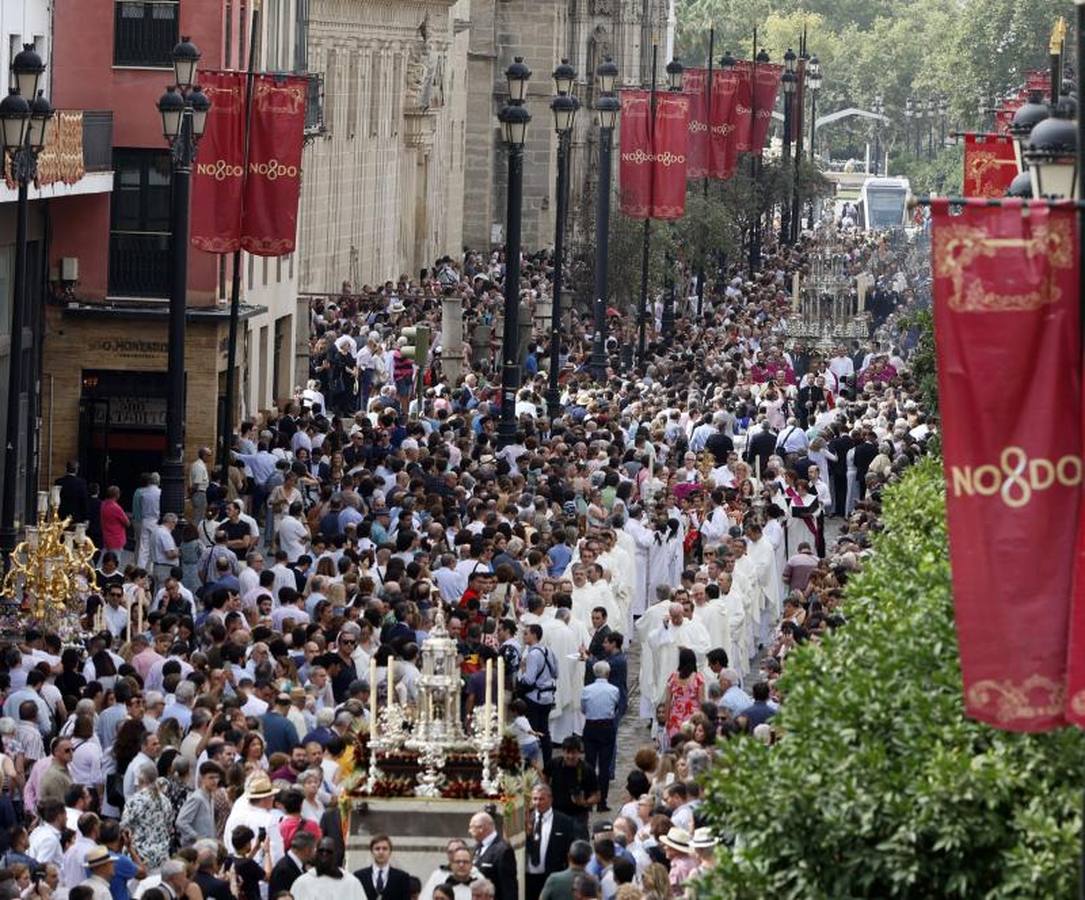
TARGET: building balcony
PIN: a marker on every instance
(76, 159)
(140, 265)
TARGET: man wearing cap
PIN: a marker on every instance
(279, 732)
(100, 865)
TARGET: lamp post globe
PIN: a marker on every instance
(27, 68)
(1027, 117)
(185, 56)
(675, 74)
(1051, 156)
(1021, 186)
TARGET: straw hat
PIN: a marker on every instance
(703, 839)
(259, 787)
(677, 839)
(97, 856)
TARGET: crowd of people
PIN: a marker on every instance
(645, 561)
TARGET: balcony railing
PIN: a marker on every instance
(139, 264)
(98, 140)
(314, 109)
(144, 32)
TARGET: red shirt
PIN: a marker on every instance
(114, 525)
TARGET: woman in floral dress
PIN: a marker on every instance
(685, 691)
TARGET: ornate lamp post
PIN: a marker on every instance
(607, 105)
(943, 111)
(909, 114)
(932, 111)
(564, 106)
(514, 119)
(24, 119)
(813, 81)
(1024, 120)
(184, 109)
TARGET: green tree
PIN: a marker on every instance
(879, 786)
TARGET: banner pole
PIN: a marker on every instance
(226, 431)
(704, 181)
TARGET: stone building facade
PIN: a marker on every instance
(383, 192)
(543, 32)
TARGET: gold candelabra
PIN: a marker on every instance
(51, 572)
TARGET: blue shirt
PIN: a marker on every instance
(600, 700)
(123, 870)
(559, 555)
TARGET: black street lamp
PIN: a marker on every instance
(943, 111)
(788, 82)
(909, 114)
(878, 108)
(608, 106)
(564, 106)
(514, 119)
(932, 110)
(24, 125)
(184, 109)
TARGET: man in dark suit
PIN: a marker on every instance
(210, 884)
(288, 869)
(619, 670)
(838, 469)
(379, 880)
(494, 858)
(596, 651)
(550, 834)
(74, 499)
(760, 446)
(865, 451)
(719, 444)
(560, 885)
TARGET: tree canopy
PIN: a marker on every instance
(967, 50)
(879, 786)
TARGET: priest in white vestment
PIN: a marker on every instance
(677, 631)
(561, 639)
(642, 539)
(588, 594)
(653, 617)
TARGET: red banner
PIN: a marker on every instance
(989, 165)
(273, 182)
(743, 107)
(764, 102)
(219, 173)
(635, 156)
(1038, 80)
(1006, 326)
(695, 84)
(722, 155)
(670, 141)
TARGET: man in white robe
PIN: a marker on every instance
(763, 555)
(588, 594)
(745, 583)
(713, 617)
(562, 640)
(653, 617)
(677, 631)
(735, 609)
(642, 543)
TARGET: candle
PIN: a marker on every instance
(489, 697)
(80, 533)
(54, 497)
(32, 537)
(139, 614)
(43, 502)
(391, 681)
(500, 695)
(99, 624)
(373, 698)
